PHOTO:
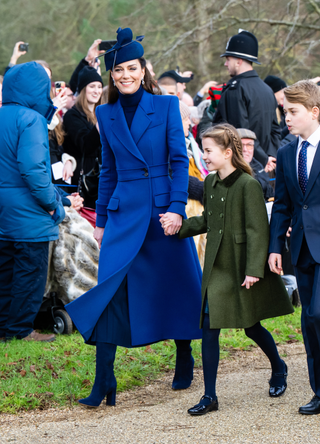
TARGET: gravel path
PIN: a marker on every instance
(157, 415)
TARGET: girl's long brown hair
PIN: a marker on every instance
(226, 136)
(82, 105)
(149, 84)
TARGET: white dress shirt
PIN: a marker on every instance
(314, 140)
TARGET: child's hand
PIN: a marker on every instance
(171, 223)
(249, 281)
(275, 263)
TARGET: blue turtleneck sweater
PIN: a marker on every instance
(129, 103)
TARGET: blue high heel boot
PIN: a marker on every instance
(184, 365)
(105, 384)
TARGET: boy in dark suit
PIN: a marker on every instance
(297, 202)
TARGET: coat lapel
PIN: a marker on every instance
(315, 170)
(141, 119)
(121, 130)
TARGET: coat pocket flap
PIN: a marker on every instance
(113, 204)
(240, 238)
(162, 200)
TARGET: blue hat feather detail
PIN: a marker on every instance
(124, 50)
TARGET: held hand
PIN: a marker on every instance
(67, 171)
(93, 52)
(98, 235)
(275, 263)
(16, 53)
(61, 100)
(76, 201)
(51, 213)
(171, 223)
(249, 281)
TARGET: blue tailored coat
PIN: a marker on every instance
(291, 206)
(26, 191)
(163, 272)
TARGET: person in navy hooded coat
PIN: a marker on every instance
(149, 284)
(30, 207)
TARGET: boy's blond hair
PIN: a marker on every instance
(305, 92)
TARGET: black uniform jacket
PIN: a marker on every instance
(247, 102)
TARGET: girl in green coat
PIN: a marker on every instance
(238, 289)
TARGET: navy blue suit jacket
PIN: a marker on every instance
(291, 206)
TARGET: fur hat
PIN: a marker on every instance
(124, 50)
(88, 75)
(184, 110)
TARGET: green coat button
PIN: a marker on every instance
(220, 231)
(221, 214)
(211, 197)
(208, 229)
(222, 199)
(210, 213)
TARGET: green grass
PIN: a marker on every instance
(41, 375)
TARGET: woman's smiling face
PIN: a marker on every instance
(128, 76)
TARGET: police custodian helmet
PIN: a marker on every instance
(243, 46)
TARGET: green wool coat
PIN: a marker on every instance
(236, 223)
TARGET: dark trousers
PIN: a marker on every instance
(23, 276)
(308, 277)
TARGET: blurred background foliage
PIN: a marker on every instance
(189, 33)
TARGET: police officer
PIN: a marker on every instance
(246, 101)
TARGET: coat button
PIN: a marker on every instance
(208, 229)
(222, 199)
(221, 214)
(210, 213)
(301, 227)
(220, 231)
(305, 207)
(146, 174)
(211, 197)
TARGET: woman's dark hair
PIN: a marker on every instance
(149, 84)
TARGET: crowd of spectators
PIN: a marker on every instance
(253, 106)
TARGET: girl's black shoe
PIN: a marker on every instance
(278, 383)
(202, 408)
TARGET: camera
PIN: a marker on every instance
(59, 86)
(24, 47)
(105, 45)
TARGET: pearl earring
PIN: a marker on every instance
(142, 81)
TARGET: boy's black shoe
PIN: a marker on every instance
(312, 408)
(202, 408)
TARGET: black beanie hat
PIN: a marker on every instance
(275, 83)
(87, 75)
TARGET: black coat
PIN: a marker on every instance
(263, 178)
(247, 102)
(82, 137)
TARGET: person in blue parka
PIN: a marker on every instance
(149, 284)
(30, 207)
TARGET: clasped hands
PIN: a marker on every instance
(171, 223)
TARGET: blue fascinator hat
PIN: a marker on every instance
(124, 50)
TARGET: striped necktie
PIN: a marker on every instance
(302, 166)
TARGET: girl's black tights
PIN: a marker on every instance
(210, 352)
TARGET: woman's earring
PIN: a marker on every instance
(142, 81)
(113, 81)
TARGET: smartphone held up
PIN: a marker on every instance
(59, 86)
(24, 47)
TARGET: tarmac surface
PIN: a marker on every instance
(157, 415)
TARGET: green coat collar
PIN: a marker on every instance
(229, 180)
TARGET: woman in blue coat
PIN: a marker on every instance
(149, 284)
